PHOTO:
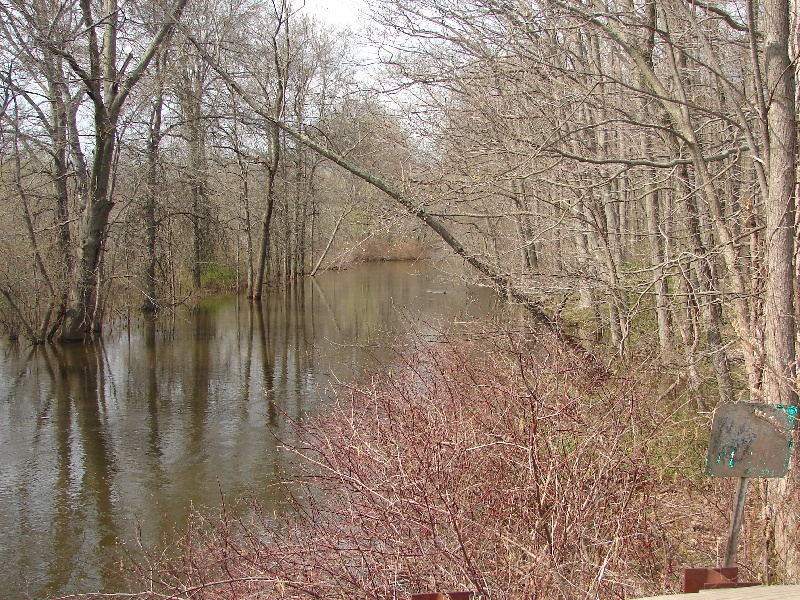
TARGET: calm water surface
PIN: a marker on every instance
(99, 441)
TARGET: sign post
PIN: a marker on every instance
(749, 440)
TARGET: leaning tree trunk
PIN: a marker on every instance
(501, 279)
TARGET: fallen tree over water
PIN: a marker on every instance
(500, 279)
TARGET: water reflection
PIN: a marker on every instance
(100, 441)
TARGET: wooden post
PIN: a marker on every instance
(736, 522)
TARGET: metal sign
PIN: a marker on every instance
(749, 439)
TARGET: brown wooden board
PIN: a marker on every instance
(749, 439)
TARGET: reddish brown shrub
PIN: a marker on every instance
(495, 466)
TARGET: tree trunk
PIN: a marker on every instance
(108, 97)
(151, 301)
(248, 224)
(658, 255)
(526, 240)
(780, 207)
(706, 293)
(690, 333)
(61, 115)
(83, 300)
(658, 260)
(191, 100)
(780, 327)
(269, 192)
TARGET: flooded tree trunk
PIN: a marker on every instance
(266, 222)
(151, 301)
(108, 95)
(83, 301)
(279, 41)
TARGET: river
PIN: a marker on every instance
(99, 442)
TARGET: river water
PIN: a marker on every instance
(99, 442)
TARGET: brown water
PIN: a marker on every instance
(99, 441)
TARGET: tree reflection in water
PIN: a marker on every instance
(107, 441)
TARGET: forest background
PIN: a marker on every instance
(625, 170)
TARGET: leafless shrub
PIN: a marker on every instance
(494, 465)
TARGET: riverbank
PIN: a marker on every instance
(493, 464)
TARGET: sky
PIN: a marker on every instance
(336, 12)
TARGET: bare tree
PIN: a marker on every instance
(108, 83)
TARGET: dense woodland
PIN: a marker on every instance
(628, 167)
(631, 166)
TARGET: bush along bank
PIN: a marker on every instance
(493, 464)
